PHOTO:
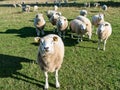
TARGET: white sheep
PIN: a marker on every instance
(96, 4)
(78, 27)
(104, 31)
(87, 4)
(104, 7)
(62, 24)
(88, 25)
(97, 19)
(25, 8)
(50, 56)
(83, 12)
(39, 24)
(35, 8)
(51, 12)
(55, 7)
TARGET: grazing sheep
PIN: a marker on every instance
(78, 27)
(50, 56)
(83, 12)
(97, 19)
(88, 25)
(39, 23)
(14, 5)
(104, 31)
(62, 24)
(26, 8)
(87, 4)
(35, 8)
(96, 4)
(104, 7)
(55, 8)
(19, 5)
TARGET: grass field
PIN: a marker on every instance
(84, 67)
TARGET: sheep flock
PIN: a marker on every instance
(51, 47)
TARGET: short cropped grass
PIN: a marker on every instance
(84, 67)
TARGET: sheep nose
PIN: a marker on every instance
(46, 48)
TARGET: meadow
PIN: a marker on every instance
(83, 68)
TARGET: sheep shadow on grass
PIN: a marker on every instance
(23, 32)
(9, 66)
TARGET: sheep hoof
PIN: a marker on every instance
(57, 85)
(98, 48)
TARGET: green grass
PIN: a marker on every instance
(84, 67)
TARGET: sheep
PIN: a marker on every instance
(14, 5)
(50, 56)
(53, 21)
(97, 19)
(19, 5)
(78, 27)
(88, 25)
(104, 7)
(87, 4)
(62, 24)
(104, 31)
(35, 8)
(83, 12)
(51, 12)
(26, 8)
(55, 7)
(39, 24)
(96, 4)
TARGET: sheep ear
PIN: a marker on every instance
(55, 38)
(65, 19)
(106, 24)
(37, 39)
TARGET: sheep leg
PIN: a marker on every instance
(38, 32)
(59, 33)
(46, 80)
(99, 44)
(79, 39)
(104, 45)
(56, 78)
(42, 32)
(71, 35)
(63, 34)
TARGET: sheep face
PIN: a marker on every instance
(47, 44)
(61, 21)
(101, 17)
(39, 16)
(101, 27)
(83, 27)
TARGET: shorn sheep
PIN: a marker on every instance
(50, 56)
(104, 31)
(97, 19)
(62, 24)
(39, 24)
(88, 25)
(78, 27)
(83, 12)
